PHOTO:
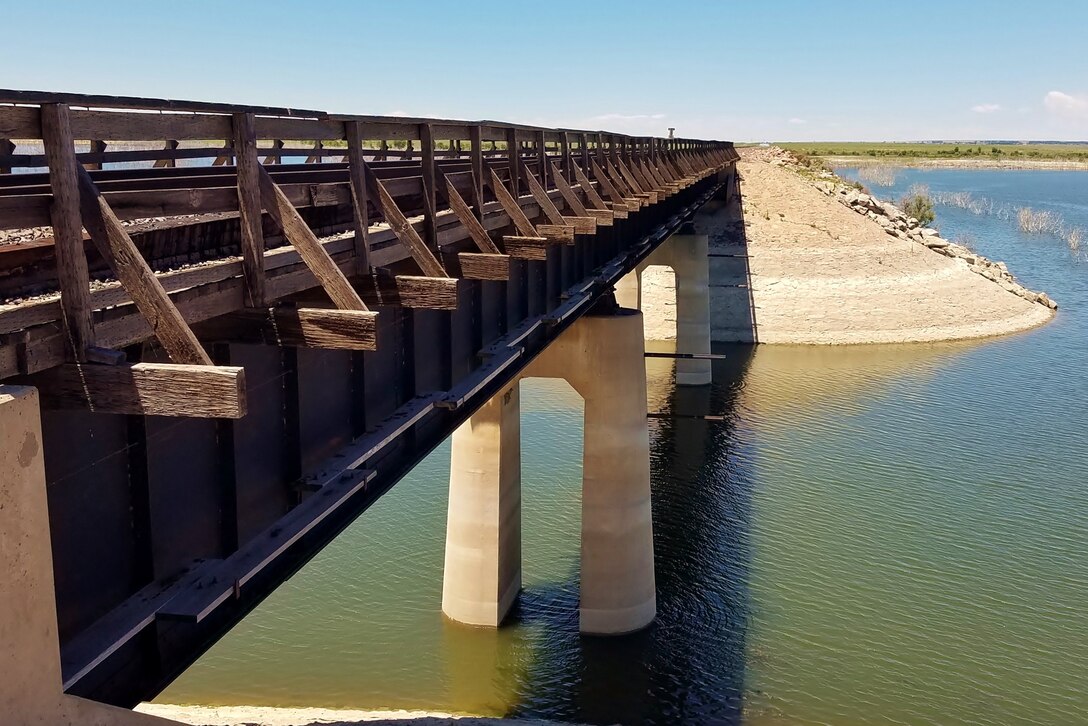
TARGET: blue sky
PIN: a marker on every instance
(758, 70)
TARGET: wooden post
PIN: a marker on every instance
(167, 161)
(7, 148)
(542, 158)
(97, 147)
(356, 172)
(430, 225)
(513, 155)
(75, 294)
(477, 152)
(249, 207)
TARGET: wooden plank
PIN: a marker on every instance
(291, 327)
(300, 235)
(412, 291)
(359, 219)
(567, 193)
(476, 154)
(480, 266)
(405, 232)
(472, 224)
(511, 207)
(72, 273)
(582, 225)
(526, 248)
(558, 232)
(604, 217)
(542, 198)
(249, 207)
(145, 389)
(117, 248)
(632, 183)
(513, 155)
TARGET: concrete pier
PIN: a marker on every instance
(30, 687)
(482, 574)
(602, 357)
(686, 254)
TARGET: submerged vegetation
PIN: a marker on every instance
(1042, 222)
(917, 203)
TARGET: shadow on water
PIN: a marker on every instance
(701, 512)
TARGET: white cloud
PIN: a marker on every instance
(986, 108)
(798, 121)
(607, 117)
(1066, 106)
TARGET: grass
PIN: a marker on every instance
(896, 150)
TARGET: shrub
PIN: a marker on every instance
(918, 204)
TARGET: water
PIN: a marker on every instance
(875, 535)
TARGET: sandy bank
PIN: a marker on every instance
(267, 716)
(820, 272)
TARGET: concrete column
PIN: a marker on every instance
(629, 289)
(691, 265)
(483, 531)
(602, 357)
(30, 685)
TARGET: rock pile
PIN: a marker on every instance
(896, 223)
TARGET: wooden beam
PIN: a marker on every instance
(558, 232)
(512, 208)
(567, 193)
(411, 291)
(72, 273)
(249, 207)
(405, 232)
(290, 327)
(592, 197)
(357, 172)
(464, 214)
(582, 225)
(303, 239)
(480, 266)
(542, 199)
(427, 164)
(527, 248)
(476, 154)
(606, 184)
(145, 389)
(117, 248)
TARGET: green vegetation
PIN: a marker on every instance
(918, 204)
(1052, 152)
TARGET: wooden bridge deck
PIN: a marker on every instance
(289, 309)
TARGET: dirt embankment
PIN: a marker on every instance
(830, 265)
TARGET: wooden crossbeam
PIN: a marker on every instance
(472, 224)
(558, 232)
(617, 180)
(482, 266)
(401, 227)
(290, 327)
(117, 248)
(410, 291)
(72, 273)
(629, 177)
(146, 389)
(511, 207)
(303, 239)
(582, 225)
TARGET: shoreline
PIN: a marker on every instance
(311, 716)
(951, 163)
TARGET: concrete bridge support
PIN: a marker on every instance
(686, 254)
(602, 357)
(483, 529)
(30, 687)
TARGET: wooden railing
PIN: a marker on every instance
(411, 189)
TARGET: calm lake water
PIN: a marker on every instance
(874, 535)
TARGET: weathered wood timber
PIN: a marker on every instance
(291, 327)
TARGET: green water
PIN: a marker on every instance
(873, 535)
